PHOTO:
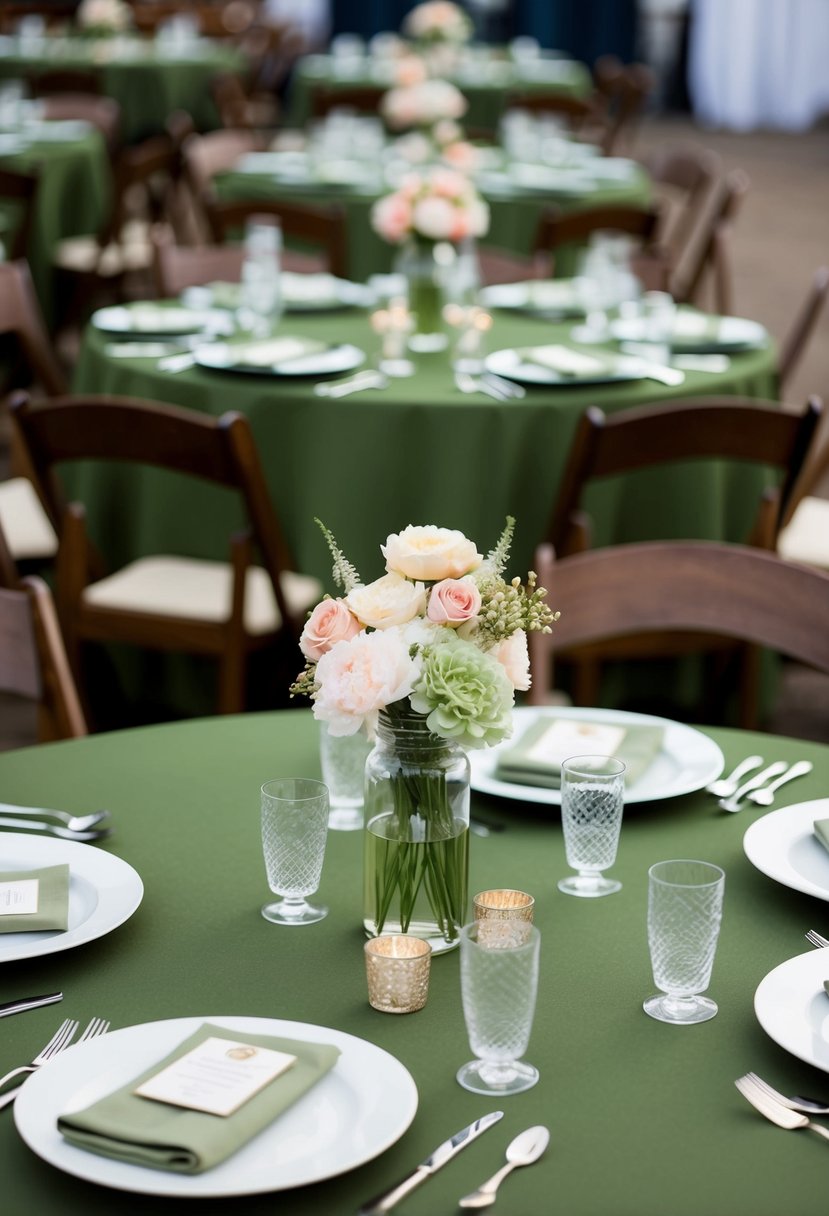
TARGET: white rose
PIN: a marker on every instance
(434, 218)
(430, 553)
(513, 655)
(390, 600)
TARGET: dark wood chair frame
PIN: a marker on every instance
(20, 188)
(320, 227)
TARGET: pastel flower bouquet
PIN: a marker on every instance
(427, 659)
(421, 104)
(435, 204)
(103, 18)
(437, 21)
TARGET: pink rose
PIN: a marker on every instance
(329, 623)
(453, 601)
(391, 218)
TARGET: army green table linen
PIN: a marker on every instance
(644, 1117)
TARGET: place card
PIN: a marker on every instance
(217, 1077)
(564, 738)
(19, 898)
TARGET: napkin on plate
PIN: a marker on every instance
(564, 360)
(52, 900)
(537, 755)
(821, 830)
(144, 1132)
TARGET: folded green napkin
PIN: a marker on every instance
(154, 1134)
(52, 900)
(821, 830)
(536, 757)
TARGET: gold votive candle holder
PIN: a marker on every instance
(397, 970)
(504, 916)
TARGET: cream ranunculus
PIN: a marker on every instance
(358, 678)
(430, 553)
(513, 655)
(390, 600)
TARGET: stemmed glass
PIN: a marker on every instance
(592, 801)
(685, 901)
(294, 830)
(499, 983)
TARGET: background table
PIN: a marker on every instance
(147, 82)
(644, 1117)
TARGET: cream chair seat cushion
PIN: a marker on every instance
(84, 255)
(25, 524)
(805, 538)
(200, 590)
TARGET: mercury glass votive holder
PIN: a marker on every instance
(503, 916)
(397, 970)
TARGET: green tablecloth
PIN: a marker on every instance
(513, 220)
(486, 97)
(644, 1117)
(418, 452)
(73, 198)
(148, 84)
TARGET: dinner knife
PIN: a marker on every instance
(443, 1153)
(29, 1002)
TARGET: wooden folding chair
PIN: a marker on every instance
(321, 227)
(706, 254)
(226, 610)
(364, 98)
(20, 189)
(685, 176)
(103, 113)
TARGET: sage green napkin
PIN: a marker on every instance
(141, 1131)
(821, 830)
(52, 900)
(528, 763)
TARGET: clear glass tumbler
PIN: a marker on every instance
(294, 829)
(685, 901)
(592, 801)
(499, 984)
(343, 762)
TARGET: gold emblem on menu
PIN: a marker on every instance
(240, 1053)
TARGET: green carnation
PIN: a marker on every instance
(466, 694)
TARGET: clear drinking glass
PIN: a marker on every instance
(260, 295)
(684, 913)
(499, 983)
(592, 801)
(294, 828)
(343, 761)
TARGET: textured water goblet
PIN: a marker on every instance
(343, 763)
(592, 801)
(294, 828)
(397, 971)
(499, 983)
(504, 915)
(685, 901)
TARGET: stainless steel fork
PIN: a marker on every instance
(817, 939)
(96, 1027)
(62, 1037)
(806, 1106)
(781, 1115)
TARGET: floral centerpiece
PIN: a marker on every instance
(427, 660)
(437, 21)
(422, 104)
(443, 143)
(103, 18)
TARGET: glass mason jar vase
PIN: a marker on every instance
(416, 861)
(426, 267)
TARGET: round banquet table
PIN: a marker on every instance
(148, 81)
(419, 451)
(514, 213)
(644, 1117)
(73, 195)
(485, 86)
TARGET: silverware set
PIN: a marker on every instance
(497, 387)
(789, 1113)
(60, 1040)
(82, 828)
(733, 792)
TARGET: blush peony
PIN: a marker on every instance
(358, 678)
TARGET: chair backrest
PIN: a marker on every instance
(688, 174)
(702, 257)
(725, 428)
(103, 113)
(624, 89)
(364, 98)
(177, 267)
(319, 226)
(65, 80)
(21, 189)
(577, 110)
(555, 228)
(33, 662)
(146, 170)
(20, 315)
(803, 325)
(703, 586)
(129, 430)
(205, 156)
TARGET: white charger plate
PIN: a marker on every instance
(783, 846)
(354, 1113)
(793, 1008)
(161, 320)
(511, 363)
(729, 334)
(687, 762)
(104, 891)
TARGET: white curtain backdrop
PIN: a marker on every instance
(759, 63)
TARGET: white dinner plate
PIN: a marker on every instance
(695, 332)
(354, 1113)
(517, 364)
(793, 1008)
(161, 320)
(782, 845)
(687, 762)
(103, 892)
(536, 295)
(255, 357)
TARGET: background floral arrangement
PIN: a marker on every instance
(444, 142)
(437, 21)
(104, 16)
(422, 104)
(438, 204)
(441, 633)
